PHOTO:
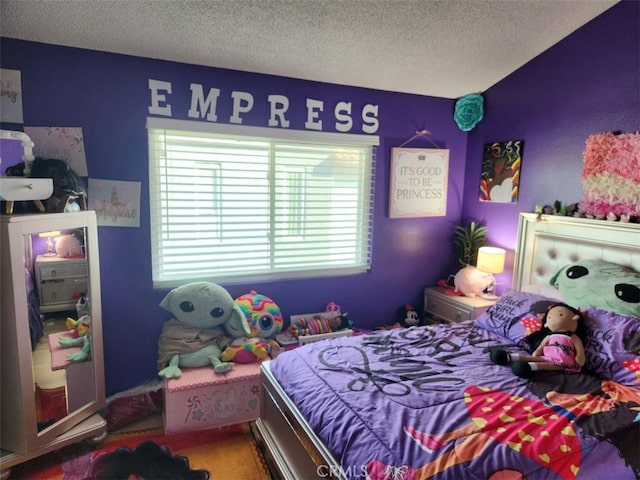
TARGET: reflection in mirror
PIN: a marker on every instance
(57, 282)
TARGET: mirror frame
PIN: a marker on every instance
(21, 229)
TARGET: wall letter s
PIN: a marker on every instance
(344, 122)
(370, 118)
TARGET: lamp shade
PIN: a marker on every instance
(491, 259)
(52, 233)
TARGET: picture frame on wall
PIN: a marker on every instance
(500, 177)
(418, 182)
(116, 202)
(11, 98)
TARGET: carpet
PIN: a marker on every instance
(225, 453)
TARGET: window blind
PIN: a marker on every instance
(236, 203)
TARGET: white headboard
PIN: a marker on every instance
(547, 244)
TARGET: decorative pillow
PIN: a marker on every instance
(544, 290)
(600, 284)
(122, 411)
(612, 346)
(515, 315)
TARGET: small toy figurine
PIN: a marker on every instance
(557, 346)
(408, 316)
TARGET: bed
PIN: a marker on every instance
(428, 402)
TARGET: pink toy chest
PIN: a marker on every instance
(201, 399)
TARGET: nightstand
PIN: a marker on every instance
(453, 308)
(59, 281)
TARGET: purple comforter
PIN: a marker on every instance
(427, 402)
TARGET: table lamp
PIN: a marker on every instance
(491, 260)
(49, 236)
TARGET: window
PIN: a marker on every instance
(237, 203)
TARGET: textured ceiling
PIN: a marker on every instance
(443, 48)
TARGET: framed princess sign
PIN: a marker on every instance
(418, 184)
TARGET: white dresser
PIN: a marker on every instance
(60, 282)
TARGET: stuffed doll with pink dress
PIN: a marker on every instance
(558, 345)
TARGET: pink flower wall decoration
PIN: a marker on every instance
(611, 175)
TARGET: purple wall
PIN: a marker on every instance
(588, 83)
(107, 95)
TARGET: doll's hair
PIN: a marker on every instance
(149, 461)
(532, 340)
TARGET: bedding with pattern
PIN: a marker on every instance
(427, 402)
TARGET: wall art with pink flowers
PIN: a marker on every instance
(611, 176)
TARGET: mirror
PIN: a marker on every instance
(57, 282)
(54, 264)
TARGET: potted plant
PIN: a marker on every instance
(467, 239)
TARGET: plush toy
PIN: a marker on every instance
(82, 304)
(194, 336)
(264, 321)
(331, 320)
(78, 336)
(558, 345)
(246, 350)
(78, 330)
(472, 282)
(334, 308)
(319, 324)
(600, 284)
(407, 316)
(68, 246)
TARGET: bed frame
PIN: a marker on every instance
(544, 246)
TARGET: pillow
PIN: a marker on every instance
(544, 290)
(515, 315)
(122, 411)
(612, 346)
(600, 284)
